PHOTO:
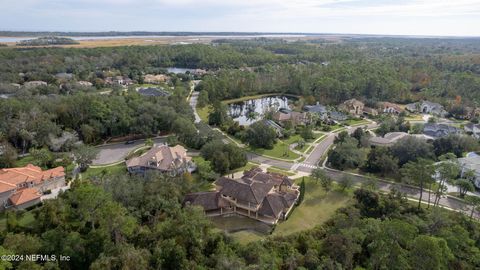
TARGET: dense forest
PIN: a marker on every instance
(122, 222)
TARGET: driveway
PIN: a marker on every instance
(193, 104)
(112, 153)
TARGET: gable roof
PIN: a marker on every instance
(248, 191)
(209, 200)
(24, 196)
(165, 157)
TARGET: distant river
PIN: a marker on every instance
(16, 39)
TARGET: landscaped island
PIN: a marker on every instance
(45, 41)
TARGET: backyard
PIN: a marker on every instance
(316, 208)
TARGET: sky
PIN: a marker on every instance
(392, 17)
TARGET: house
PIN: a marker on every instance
(297, 118)
(412, 107)
(472, 129)
(370, 111)
(338, 116)
(264, 196)
(320, 110)
(471, 163)
(439, 130)
(391, 108)
(426, 106)
(84, 83)
(388, 139)
(119, 80)
(33, 84)
(172, 160)
(23, 187)
(153, 91)
(155, 79)
(391, 138)
(352, 106)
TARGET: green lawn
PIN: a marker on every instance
(355, 122)
(316, 208)
(24, 161)
(245, 237)
(246, 167)
(280, 171)
(280, 150)
(204, 112)
(98, 172)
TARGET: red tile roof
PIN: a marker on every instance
(29, 173)
(24, 195)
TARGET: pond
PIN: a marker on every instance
(177, 70)
(236, 223)
(250, 111)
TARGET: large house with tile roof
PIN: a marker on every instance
(264, 196)
(172, 160)
(23, 187)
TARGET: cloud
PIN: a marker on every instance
(366, 16)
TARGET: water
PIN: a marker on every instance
(192, 37)
(250, 111)
(179, 70)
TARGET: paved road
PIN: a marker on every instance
(193, 104)
(264, 160)
(111, 153)
(410, 191)
(312, 160)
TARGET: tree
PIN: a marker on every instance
(43, 157)
(345, 182)
(307, 133)
(325, 181)
(302, 191)
(411, 149)
(219, 115)
(380, 160)
(185, 131)
(261, 135)
(203, 99)
(420, 173)
(464, 186)
(456, 144)
(84, 155)
(149, 142)
(447, 170)
(474, 202)
(346, 155)
(429, 252)
(204, 169)
(8, 155)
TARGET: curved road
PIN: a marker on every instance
(116, 152)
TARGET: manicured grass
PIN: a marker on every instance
(414, 117)
(355, 122)
(204, 112)
(280, 150)
(98, 172)
(24, 161)
(316, 208)
(246, 167)
(245, 237)
(280, 171)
